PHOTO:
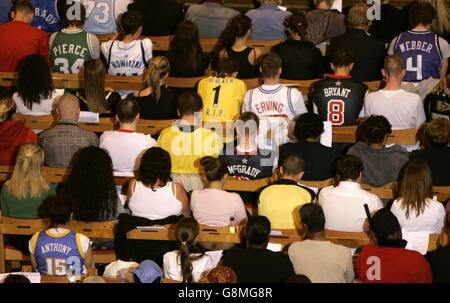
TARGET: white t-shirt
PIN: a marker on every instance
(126, 58)
(172, 266)
(343, 206)
(404, 110)
(124, 147)
(42, 109)
(431, 220)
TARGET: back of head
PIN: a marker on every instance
(357, 17)
(393, 66)
(127, 110)
(27, 178)
(7, 109)
(23, 6)
(308, 125)
(237, 27)
(130, 22)
(313, 217)
(15, 279)
(292, 165)
(221, 274)
(68, 107)
(158, 68)
(90, 185)
(35, 80)
(416, 186)
(258, 230)
(247, 124)
(437, 131)
(342, 58)
(328, 3)
(421, 13)
(155, 167)
(384, 224)
(227, 66)
(349, 167)
(73, 15)
(271, 65)
(375, 129)
(94, 86)
(296, 23)
(186, 234)
(58, 209)
(215, 168)
(189, 103)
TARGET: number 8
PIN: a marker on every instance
(336, 112)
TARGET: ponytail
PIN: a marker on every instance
(215, 168)
(158, 67)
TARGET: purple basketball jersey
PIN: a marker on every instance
(420, 53)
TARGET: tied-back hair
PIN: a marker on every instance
(297, 23)
(155, 167)
(35, 80)
(27, 178)
(158, 68)
(94, 86)
(416, 187)
(236, 27)
(90, 185)
(215, 168)
(7, 109)
(185, 50)
(186, 233)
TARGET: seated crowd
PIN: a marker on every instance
(179, 176)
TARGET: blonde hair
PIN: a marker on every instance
(27, 178)
(441, 23)
(7, 109)
(158, 67)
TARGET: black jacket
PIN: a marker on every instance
(140, 250)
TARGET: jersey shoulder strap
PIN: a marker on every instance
(143, 55)
(109, 57)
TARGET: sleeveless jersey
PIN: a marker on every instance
(421, 54)
(246, 70)
(46, 15)
(68, 52)
(251, 165)
(100, 17)
(56, 253)
(127, 59)
(339, 100)
(222, 98)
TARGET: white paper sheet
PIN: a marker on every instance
(34, 277)
(274, 247)
(89, 117)
(417, 240)
(327, 135)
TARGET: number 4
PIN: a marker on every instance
(417, 69)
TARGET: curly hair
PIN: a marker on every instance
(35, 80)
(375, 129)
(155, 166)
(308, 125)
(421, 13)
(236, 27)
(91, 187)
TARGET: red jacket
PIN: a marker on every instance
(12, 135)
(19, 40)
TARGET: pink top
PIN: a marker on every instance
(214, 207)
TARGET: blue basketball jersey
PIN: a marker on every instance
(46, 16)
(100, 17)
(421, 54)
(56, 253)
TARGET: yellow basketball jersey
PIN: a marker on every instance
(222, 98)
(188, 145)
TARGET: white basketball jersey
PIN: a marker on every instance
(129, 59)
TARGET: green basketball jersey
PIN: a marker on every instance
(68, 51)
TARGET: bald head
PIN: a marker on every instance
(393, 67)
(68, 107)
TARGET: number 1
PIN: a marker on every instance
(216, 96)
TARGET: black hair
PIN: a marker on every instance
(383, 224)
(258, 230)
(421, 12)
(58, 209)
(375, 129)
(270, 65)
(127, 110)
(342, 57)
(349, 167)
(91, 186)
(215, 168)
(155, 165)
(312, 216)
(227, 66)
(189, 103)
(292, 165)
(15, 279)
(297, 23)
(236, 27)
(130, 22)
(35, 80)
(308, 125)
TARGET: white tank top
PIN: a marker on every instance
(154, 204)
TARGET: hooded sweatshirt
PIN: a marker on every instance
(381, 166)
(12, 135)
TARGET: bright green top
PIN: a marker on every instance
(27, 208)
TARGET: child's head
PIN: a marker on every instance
(58, 209)
(247, 125)
(227, 67)
(215, 169)
(189, 103)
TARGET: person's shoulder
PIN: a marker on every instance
(358, 147)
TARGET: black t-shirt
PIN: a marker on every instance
(253, 265)
(301, 60)
(440, 265)
(319, 159)
(165, 108)
(339, 99)
(438, 158)
(393, 22)
(252, 165)
(112, 98)
(177, 70)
